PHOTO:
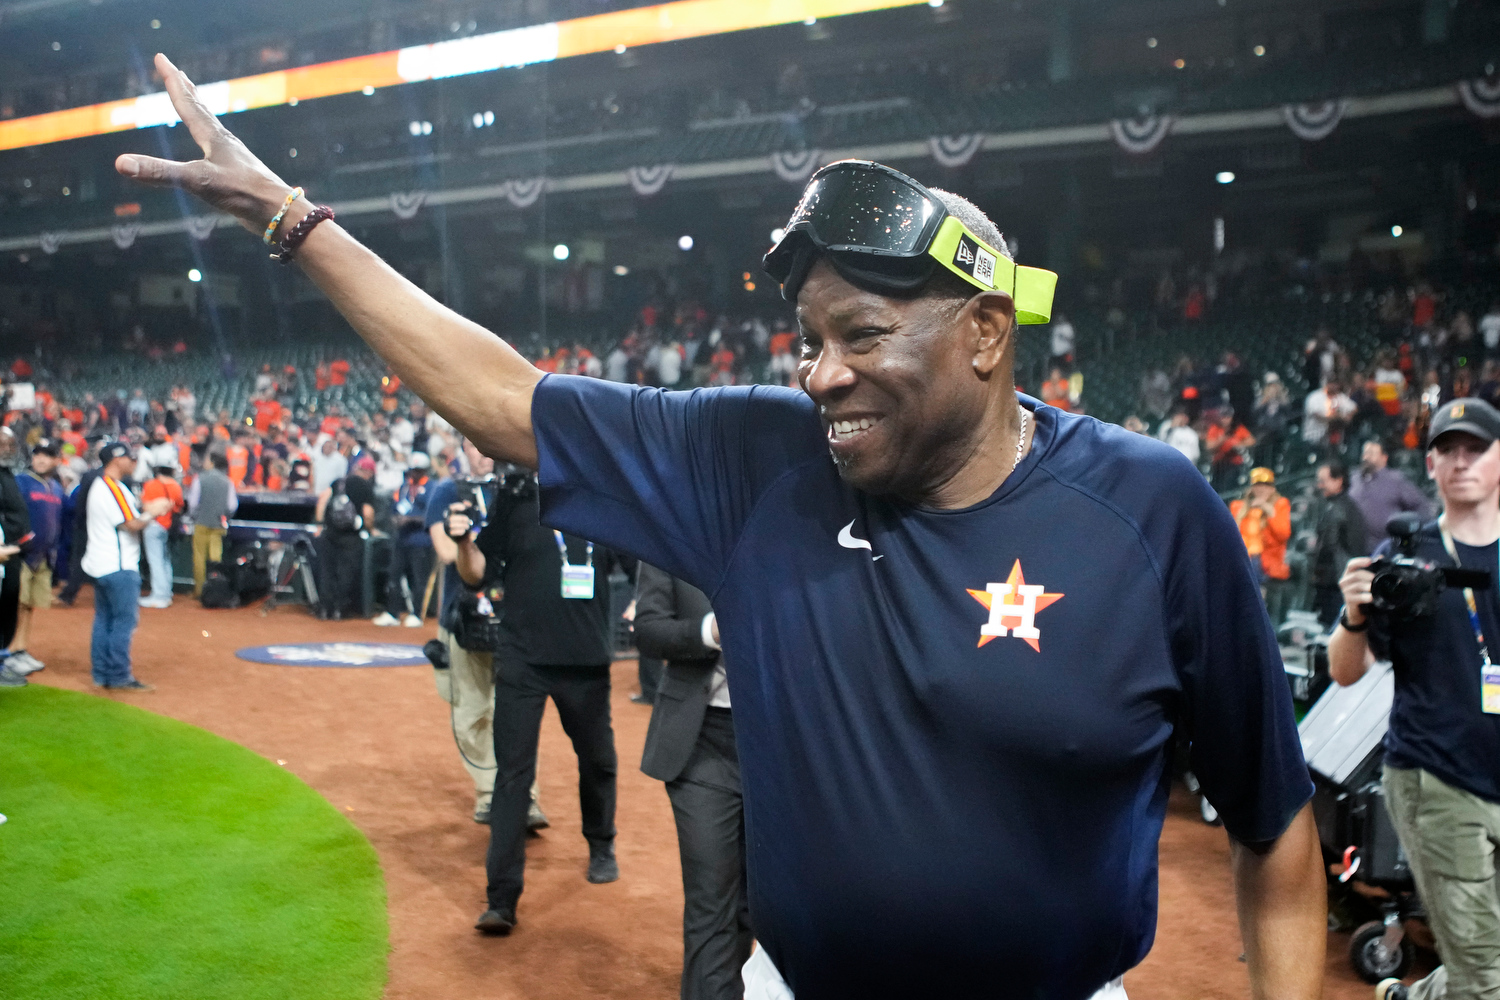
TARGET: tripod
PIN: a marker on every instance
(297, 562)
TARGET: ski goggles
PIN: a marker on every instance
(885, 232)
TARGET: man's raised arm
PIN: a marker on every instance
(469, 375)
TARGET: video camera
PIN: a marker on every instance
(479, 495)
(1406, 587)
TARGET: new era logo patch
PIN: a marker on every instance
(974, 260)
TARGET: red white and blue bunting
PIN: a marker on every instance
(406, 204)
(1481, 96)
(953, 151)
(199, 227)
(1140, 135)
(646, 181)
(124, 235)
(524, 193)
(796, 167)
(1314, 121)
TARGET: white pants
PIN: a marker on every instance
(764, 982)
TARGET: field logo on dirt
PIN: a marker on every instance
(336, 654)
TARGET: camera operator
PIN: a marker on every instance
(554, 641)
(1442, 751)
(467, 681)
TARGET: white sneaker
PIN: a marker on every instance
(24, 663)
(412, 621)
(384, 619)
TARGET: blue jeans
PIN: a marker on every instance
(116, 611)
(155, 539)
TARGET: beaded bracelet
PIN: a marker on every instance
(293, 239)
(271, 229)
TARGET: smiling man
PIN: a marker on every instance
(962, 648)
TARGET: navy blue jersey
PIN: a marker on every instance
(440, 497)
(1437, 722)
(953, 725)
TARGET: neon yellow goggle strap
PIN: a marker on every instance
(975, 261)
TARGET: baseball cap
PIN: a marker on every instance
(45, 446)
(1260, 475)
(1469, 415)
(420, 460)
(365, 462)
(115, 449)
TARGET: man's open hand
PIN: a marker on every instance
(229, 178)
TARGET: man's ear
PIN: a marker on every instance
(993, 315)
(1431, 474)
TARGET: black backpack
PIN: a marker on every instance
(218, 590)
(81, 513)
(341, 514)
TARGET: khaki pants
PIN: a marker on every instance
(1451, 838)
(208, 546)
(469, 687)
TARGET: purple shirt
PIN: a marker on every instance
(1381, 495)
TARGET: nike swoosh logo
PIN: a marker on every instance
(848, 541)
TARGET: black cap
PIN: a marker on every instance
(1469, 415)
(115, 449)
(45, 446)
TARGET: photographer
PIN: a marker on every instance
(467, 682)
(1442, 751)
(554, 641)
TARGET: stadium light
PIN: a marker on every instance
(685, 243)
(560, 252)
(1397, 231)
(934, 3)
(809, 21)
(619, 50)
(489, 117)
(368, 91)
(1225, 177)
(155, 24)
(621, 270)
(1151, 43)
(195, 275)
(478, 120)
(1259, 50)
(777, 235)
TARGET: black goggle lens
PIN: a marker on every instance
(868, 209)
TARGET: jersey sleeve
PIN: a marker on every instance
(668, 477)
(1237, 709)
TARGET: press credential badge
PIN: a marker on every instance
(577, 581)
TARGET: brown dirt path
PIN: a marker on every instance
(376, 743)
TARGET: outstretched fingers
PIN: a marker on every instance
(200, 121)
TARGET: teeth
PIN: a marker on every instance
(846, 428)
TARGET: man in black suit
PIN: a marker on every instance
(690, 746)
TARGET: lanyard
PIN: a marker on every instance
(562, 547)
(1484, 652)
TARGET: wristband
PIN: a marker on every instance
(1344, 621)
(292, 240)
(276, 221)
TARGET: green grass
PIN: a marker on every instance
(145, 858)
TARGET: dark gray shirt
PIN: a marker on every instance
(1382, 494)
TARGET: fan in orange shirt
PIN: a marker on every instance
(1265, 520)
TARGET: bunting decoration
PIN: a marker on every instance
(794, 167)
(1481, 96)
(199, 227)
(646, 181)
(1140, 135)
(1315, 121)
(953, 151)
(406, 204)
(524, 193)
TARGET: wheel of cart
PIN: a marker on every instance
(1379, 950)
